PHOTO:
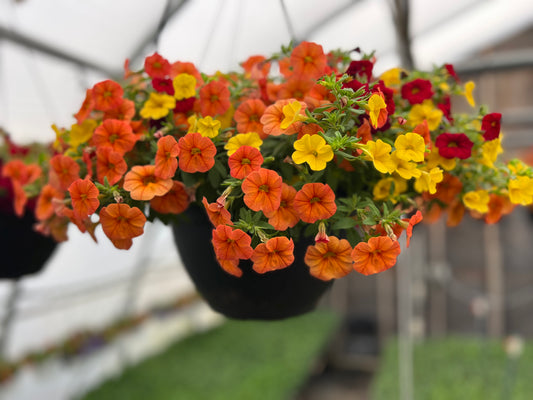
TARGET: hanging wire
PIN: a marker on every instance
(214, 25)
(288, 22)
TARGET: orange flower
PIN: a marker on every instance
(276, 253)
(197, 153)
(231, 244)
(44, 208)
(174, 202)
(456, 211)
(143, 184)
(86, 107)
(248, 116)
(110, 164)
(231, 266)
(296, 87)
(415, 219)
(217, 213)
(120, 222)
(156, 66)
(498, 207)
(273, 116)
(124, 111)
(63, 171)
(376, 255)
(115, 134)
(186, 68)
(214, 99)
(262, 190)
(308, 60)
(315, 201)
(309, 129)
(84, 197)
(245, 160)
(256, 67)
(329, 260)
(284, 216)
(107, 95)
(166, 162)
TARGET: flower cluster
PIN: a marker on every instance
(304, 143)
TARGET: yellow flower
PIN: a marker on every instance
(406, 169)
(377, 110)
(410, 147)
(313, 150)
(389, 188)
(391, 77)
(243, 139)
(80, 134)
(193, 123)
(184, 86)
(434, 159)
(292, 114)
(477, 200)
(427, 182)
(490, 151)
(521, 190)
(226, 119)
(158, 106)
(469, 88)
(425, 111)
(208, 127)
(379, 153)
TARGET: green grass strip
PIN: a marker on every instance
(459, 368)
(238, 360)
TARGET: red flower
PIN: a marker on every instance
(185, 105)
(163, 85)
(451, 71)
(360, 68)
(491, 125)
(416, 91)
(156, 66)
(452, 145)
(446, 107)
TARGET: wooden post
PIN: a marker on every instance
(438, 306)
(494, 280)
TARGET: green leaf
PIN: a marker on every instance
(344, 223)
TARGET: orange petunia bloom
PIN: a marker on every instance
(296, 87)
(86, 107)
(115, 134)
(174, 202)
(309, 129)
(231, 244)
(121, 223)
(415, 219)
(217, 213)
(84, 197)
(107, 95)
(276, 253)
(315, 201)
(197, 153)
(284, 216)
(308, 60)
(376, 255)
(456, 212)
(166, 162)
(498, 207)
(248, 116)
(214, 99)
(256, 67)
(110, 164)
(63, 171)
(44, 208)
(156, 66)
(329, 260)
(243, 161)
(231, 266)
(124, 111)
(143, 184)
(262, 190)
(273, 116)
(180, 67)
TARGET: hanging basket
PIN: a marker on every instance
(24, 251)
(274, 295)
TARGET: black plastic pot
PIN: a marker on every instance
(274, 295)
(23, 250)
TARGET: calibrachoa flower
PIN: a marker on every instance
(322, 150)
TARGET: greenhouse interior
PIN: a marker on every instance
(286, 199)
